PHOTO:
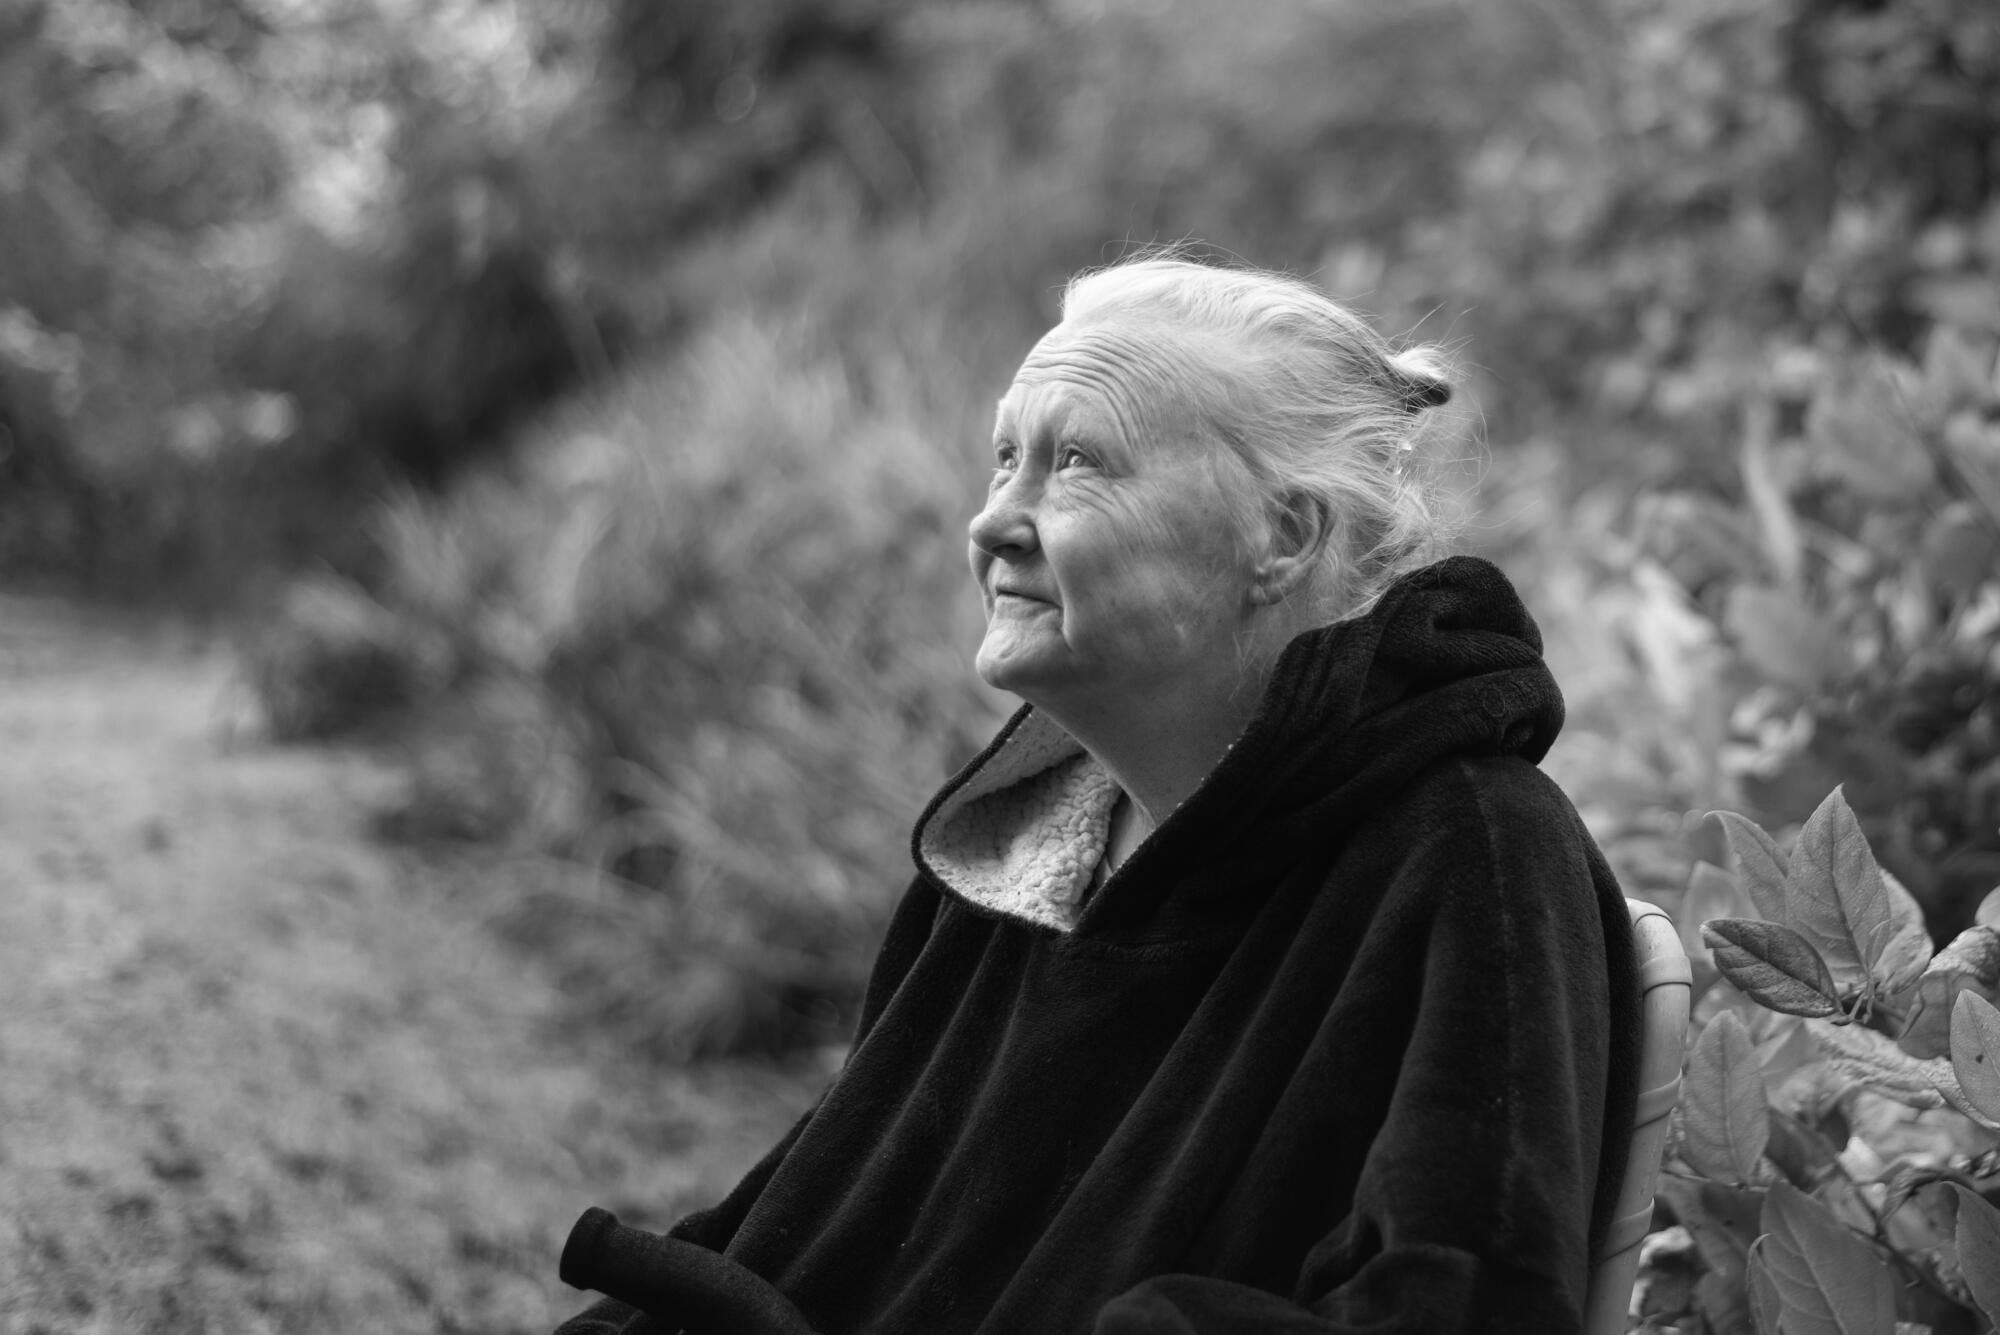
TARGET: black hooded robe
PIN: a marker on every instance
(1331, 1052)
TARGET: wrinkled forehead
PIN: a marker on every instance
(1139, 374)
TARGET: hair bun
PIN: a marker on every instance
(1417, 381)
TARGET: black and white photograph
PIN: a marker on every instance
(1000, 667)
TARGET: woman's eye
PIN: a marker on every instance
(1069, 456)
(1005, 457)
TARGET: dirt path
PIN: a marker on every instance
(258, 1073)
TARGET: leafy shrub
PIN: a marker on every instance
(1837, 1134)
(713, 622)
(1699, 181)
(1852, 591)
(227, 348)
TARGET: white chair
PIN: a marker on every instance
(1666, 990)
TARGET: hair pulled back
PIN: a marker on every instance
(1309, 399)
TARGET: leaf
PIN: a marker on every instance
(1973, 954)
(1773, 965)
(1988, 912)
(1724, 1304)
(1907, 951)
(1798, 1151)
(1865, 1057)
(1960, 550)
(1724, 1102)
(1711, 893)
(1974, 446)
(1694, 536)
(1975, 1051)
(1863, 434)
(1785, 1050)
(1868, 933)
(1971, 963)
(1979, 1250)
(1862, 1056)
(1782, 1042)
(1957, 298)
(1828, 1280)
(1723, 1220)
(1843, 1199)
(1766, 1308)
(1958, 370)
(1762, 868)
(1954, 1095)
(1903, 1181)
(1781, 637)
(1910, 1206)
(1926, 1229)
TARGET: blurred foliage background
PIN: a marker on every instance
(585, 397)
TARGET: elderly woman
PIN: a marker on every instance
(1254, 978)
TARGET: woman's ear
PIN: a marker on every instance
(1296, 539)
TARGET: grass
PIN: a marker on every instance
(267, 1075)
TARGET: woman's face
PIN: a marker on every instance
(1105, 553)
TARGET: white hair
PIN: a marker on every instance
(1310, 399)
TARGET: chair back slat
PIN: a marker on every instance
(1667, 991)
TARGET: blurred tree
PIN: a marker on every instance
(420, 349)
(752, 94)
(122, 156)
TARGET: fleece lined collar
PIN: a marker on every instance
(1023, 836)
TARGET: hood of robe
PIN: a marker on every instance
(1447, 663)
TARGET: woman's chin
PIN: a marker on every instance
(1016, 668)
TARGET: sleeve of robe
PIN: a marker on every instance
(1474, 1206)
(714, 1227)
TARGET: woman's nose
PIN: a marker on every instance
(1006, 526)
